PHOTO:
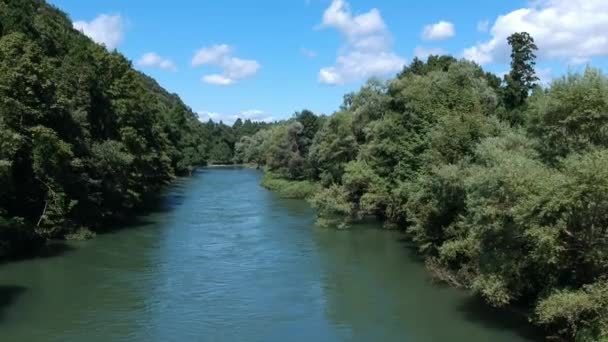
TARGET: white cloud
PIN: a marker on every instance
(153, 60)
(211, 55)
(229, 119)
(217, 79)
(367, 50)
(234, 69)
(308, 53)
(439, 31)
(423, 52)
(574, 30)
(483, 26)
(105, 29)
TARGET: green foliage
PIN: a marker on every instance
(436, 199)
(366, 189)
(506, 196)
(310, 125)
(334, 207)
(289, 188)
(570, 116)
(580, 314)
(282, 148)
(522, 77)
(81, 234)
(333, 146)
(582, 205)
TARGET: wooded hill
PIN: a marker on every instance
(85, 138)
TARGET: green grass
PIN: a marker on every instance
(289, 188)
(81, 234)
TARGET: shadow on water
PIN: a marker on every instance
(475, 309)
(8, 296)
(53, 249)
(165, 201)
(412, 250)
(49, 249)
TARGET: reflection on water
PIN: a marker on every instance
(225, 260)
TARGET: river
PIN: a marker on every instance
(226, 260)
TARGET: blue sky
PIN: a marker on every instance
(269, 58)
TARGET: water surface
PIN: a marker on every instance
(226, 260)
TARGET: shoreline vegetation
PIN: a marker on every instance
(502, 184)
(290, 189)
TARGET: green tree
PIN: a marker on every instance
(522, 77)
(571, 116)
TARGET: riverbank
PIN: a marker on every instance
(289, 188)
(31, 245)
(305, 190)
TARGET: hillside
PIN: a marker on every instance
(84, 137)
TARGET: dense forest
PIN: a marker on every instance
(501, 183)
(84, 138)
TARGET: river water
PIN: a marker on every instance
(226, 260)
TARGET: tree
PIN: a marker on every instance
(522, 77)
(310, 126)
(570, 116)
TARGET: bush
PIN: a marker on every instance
(81, 234)
(572, 115)
(334, 207)
(436, 200)
(509, 221)
(289, 188)
(580, 314)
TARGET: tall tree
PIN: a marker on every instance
(522, 77)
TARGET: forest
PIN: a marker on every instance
(502, 184)
(84, 138)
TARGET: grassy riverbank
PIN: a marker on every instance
(294, 189)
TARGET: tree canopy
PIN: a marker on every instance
(84, 138)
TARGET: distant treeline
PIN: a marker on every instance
(502, 183)
(85, 138)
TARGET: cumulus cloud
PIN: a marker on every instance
(211, 55)
(105, 29)
(233, 69)
(438, 31)
(153, 60)
(217, 79)
(367, 49)
(229, 119)
(572, 30)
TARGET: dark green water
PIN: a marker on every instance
(226, 260)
